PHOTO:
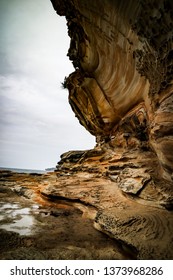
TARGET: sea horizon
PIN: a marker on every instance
(26, 170)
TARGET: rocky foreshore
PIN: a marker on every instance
(34, 228)
(67, 206)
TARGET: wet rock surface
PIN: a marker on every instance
(74, 213)
(34, 228)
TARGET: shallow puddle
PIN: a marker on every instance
(14, 217)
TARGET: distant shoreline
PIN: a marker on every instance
(18, 170)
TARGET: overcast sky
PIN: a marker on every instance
(36, 121)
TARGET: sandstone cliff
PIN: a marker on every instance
(122, 92)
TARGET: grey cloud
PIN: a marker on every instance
(36, 121)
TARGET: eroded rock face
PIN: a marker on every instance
(95, 182)
(122, 88)
(122, 92)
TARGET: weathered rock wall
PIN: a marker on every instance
(122, 92)
(122, 88)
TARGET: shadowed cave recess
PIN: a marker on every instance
(122, 92)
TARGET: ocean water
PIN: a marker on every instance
(24, 170)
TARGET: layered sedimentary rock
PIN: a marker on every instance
(122, 92)
(28, 224)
